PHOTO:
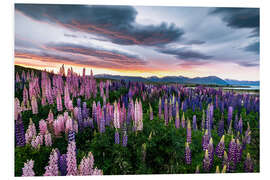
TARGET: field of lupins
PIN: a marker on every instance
(67, 124)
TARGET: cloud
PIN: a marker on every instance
(254, 47)
(117, 23)
(240, 18)
(73, 54)
(248, 64)
(116, 56)
(185, 54)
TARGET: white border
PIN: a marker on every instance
(7, 80)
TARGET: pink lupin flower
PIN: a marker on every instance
(59, 102)
(48, 139)
(17, 108)
(52, 168)
(71, 159)
(86, 165)
(34, 105)
(50, 117)
(68, 125)
(97, 172)
(28, 168)
(116, 119)
(42, 126)
(35, 142)
(30, 132)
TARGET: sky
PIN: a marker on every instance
(139, 40)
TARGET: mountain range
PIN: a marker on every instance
(211, 80)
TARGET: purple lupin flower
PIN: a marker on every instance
(248, 165)
(236, 123)
(205, 140)
(102, 123)
(203, 120)
(240, 125)
(19, 131)
(71, 136)
(62, 163)
(187, 154)
(220, 148)
(206, 162)
(221, 126)
(125, 139)
(232, 154)
(116, 137)
(230, 114)
(194, 123)
(210, 149)
(225, 161)
(238, 151)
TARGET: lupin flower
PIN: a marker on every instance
(116, 137)
(71, 136)
(97, 172)
(63, 164)
(52, 168)
(143, 151)
(205, 140)
(225, 161)
(238, 152)
(71, 159)
(125, 139)
(194, 122)
(42, 126)
(197, 169)
(248, 164)
(224, 169)
(150, 112)
(166, 111)
(232, 154)
(221, 126)
(19, 131)
(159, 109)
(187, 154)
(183, 122)
(211, 150)
(34, 105)
(217, 169)
(59, 102)
(30, 132)
(206, 162)
(28, 168)
(177, 121)
(240, 125)
(188, 132)
(86, 165)
(220, 148)
(48, 139)
(230, 114)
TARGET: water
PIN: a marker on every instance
(244, 88)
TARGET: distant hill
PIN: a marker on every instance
(213, 80)
(242, 83)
